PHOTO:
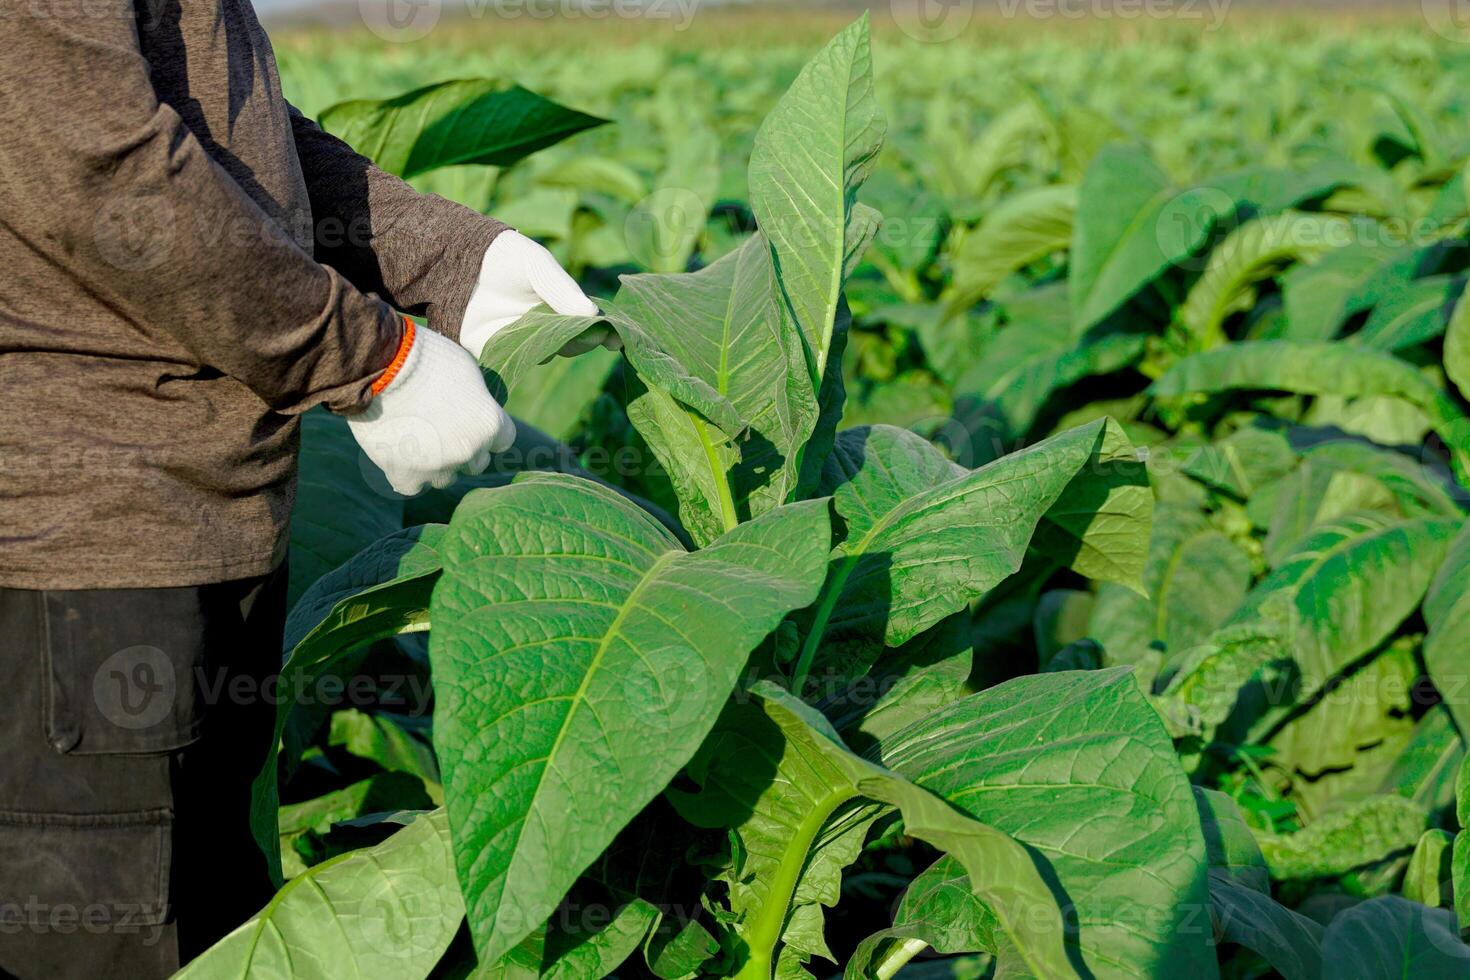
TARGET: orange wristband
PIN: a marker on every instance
(396, 365)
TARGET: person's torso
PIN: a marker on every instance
(124, 460)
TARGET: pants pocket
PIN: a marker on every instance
(124, 669)
(84, 873)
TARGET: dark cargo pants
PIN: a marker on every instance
(133, 722)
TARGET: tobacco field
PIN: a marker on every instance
(1023, 533)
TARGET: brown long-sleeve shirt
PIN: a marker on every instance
(186, 264)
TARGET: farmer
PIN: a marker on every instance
(186, 265)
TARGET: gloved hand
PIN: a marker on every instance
(431, 416)
(517, 275)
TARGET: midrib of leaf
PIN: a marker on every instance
(722, 373)
(726, 500)
(1161, 614)
(579, 695)
(831, 592)
(898, 957)
(1385, 338)
(823, 329)
(266, 915)
(834, 285)
(766, 928)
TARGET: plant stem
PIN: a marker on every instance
(831, 592)
(898, 956)
(765, 928)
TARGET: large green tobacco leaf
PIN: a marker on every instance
(386, 911)
(1023, 228)
(810, 156)
(1131, 225)
(581, 656)
(1344, 591)
(1322, 296)
(775, 771)
(1314, 368)
(1250, 253)
(1300, 367)
(1115, 249)
(382, 591)
(1392, 937)
(1339, 595)
(1077, 766)
(471, 120)
(750, 334)
(925, 536)
(1447, 614)
(1416, 312)
(715, 360)
(1359, 835)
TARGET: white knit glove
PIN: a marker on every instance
(517, 275)
(434, 419)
